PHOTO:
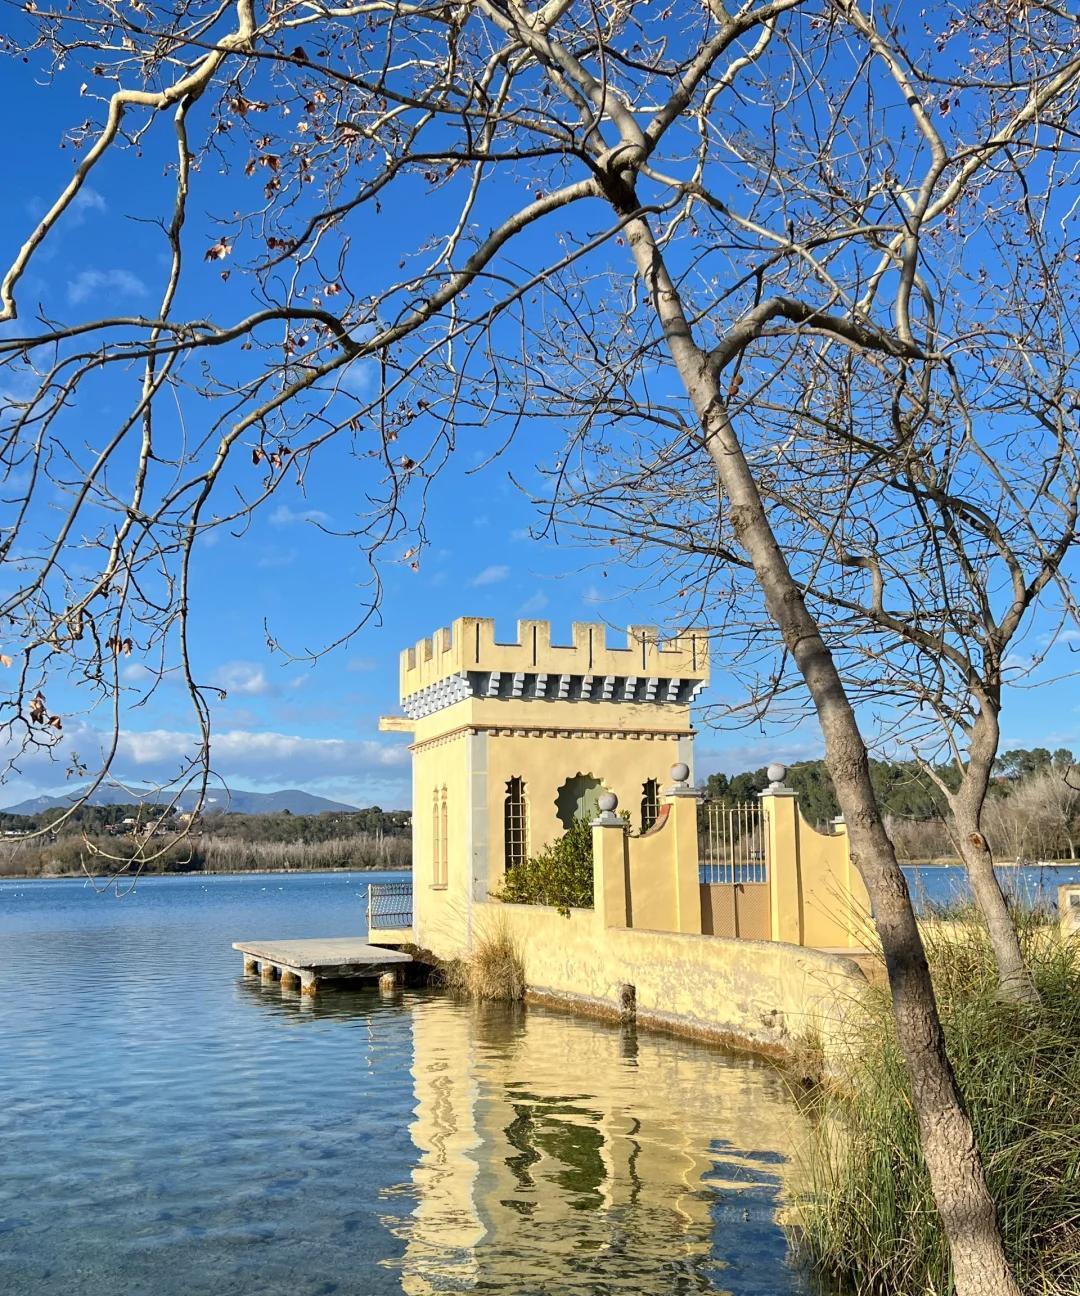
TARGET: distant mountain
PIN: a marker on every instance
(236, 802)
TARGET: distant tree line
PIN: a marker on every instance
(217, 843)
(331, 825)
(1033, 810)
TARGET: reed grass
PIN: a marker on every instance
(493, 970)
(204, 853)
(866, 1213)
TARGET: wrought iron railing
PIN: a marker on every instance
(754, 871)
(731, 844)
(389, 905)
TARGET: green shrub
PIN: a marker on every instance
(560, 876)
(867, 1215)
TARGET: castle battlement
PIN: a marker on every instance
(465, 660)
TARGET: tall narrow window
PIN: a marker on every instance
(516, 845)
(445, 843)
(650, 803)
(436, 840)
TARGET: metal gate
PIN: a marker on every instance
(733, 869)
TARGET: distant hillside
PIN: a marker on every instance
(290, 800)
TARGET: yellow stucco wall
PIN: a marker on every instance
(835, 904)
(471, 644)
(764, 992)
(817, 896)
(622, 764)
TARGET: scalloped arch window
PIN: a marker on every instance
(578, 798)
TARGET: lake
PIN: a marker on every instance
(170, 1127)
(1031, 885)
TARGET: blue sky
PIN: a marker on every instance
(314, 724)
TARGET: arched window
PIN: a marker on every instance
(577, 799)
(445, 843)
(436, 840)
(650, 804)
(515, 824)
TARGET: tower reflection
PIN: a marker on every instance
(561, 1155)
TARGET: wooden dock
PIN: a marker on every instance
(305, 965)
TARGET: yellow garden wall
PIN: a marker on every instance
(763, 993)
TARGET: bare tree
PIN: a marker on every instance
(1038, 816)
(638, 216)
(926, 505)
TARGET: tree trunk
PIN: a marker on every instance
(1014, 979)
(967, 1211)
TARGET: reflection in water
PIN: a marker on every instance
(565, 1155)
(169, 1126)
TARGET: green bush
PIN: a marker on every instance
(560, 876)
(867, 1215)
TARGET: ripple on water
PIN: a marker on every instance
(170, 1127)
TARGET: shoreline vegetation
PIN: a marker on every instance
(103, 840)
(865, 1216)
(285, 871)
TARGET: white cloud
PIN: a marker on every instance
(244, 678)
(359, 378)
(85, 201)
(283, 515)
(362, 772)
(735, 757)
(262, 756)
(491, 575)
(533, 604)
(89, 283)
(362, 664)
(136, 673)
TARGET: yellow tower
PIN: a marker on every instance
(513, 741)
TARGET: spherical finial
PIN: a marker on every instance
(776, 773)
(607, 801)
(680, 772)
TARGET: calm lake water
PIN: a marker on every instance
(170, 1127)
(1034, 885)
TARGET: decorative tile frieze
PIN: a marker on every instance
(540, 686)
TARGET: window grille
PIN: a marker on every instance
(515, 823)
(650, 804)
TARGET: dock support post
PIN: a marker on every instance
(290, 980)
(389, 982)
(251, 966)
(309, 984)
(270, 972)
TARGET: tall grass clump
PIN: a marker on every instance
(867, 1216)
(492, 970)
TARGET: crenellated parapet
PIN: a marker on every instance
(466, 661)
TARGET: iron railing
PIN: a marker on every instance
(731, 844)
(389, 905)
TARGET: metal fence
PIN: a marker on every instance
(389, 905)
(731, 844)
